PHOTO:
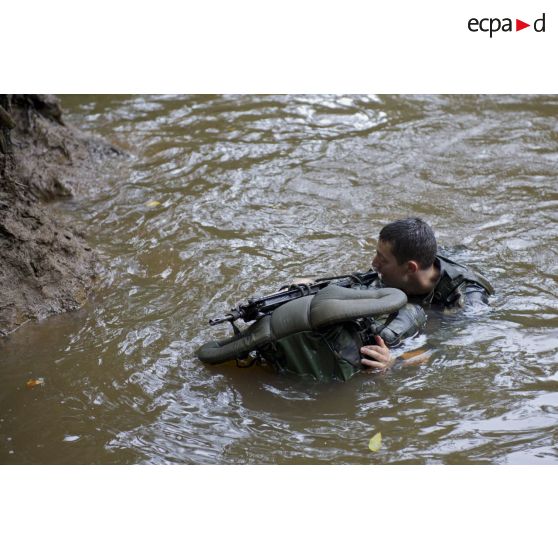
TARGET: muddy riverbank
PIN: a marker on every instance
(46, 264)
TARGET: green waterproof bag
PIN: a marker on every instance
(320, 336)
(329, 354)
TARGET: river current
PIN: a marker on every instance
(224, 197)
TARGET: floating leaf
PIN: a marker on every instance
(34, 382)
(375, 442)
(412, 354)
(153, 203)
(416, 357)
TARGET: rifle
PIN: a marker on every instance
(255, 308)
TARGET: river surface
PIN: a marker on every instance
(224, 197)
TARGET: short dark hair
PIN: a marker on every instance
(411, 239)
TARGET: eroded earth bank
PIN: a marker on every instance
(46, 264)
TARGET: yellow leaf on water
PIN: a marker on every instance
(412, 354)
(153, 203)
(30, 384)
(375, 442)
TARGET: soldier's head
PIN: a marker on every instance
(406, 249)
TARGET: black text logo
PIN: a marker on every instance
(492, 25)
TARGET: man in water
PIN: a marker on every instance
(406, 258)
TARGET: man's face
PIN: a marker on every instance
(393, 274)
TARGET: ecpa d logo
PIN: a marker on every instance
(494, 24)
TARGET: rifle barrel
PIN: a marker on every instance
(256, 307)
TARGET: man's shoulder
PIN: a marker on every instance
(456, 271)
(454, 276)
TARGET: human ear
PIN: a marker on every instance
(412, 266)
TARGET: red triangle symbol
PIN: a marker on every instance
(519, 25)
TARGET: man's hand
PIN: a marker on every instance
(380, 353)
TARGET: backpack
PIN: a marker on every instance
(320, 335)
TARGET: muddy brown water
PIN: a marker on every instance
(254, 190)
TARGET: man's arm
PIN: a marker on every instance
(470, 296)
